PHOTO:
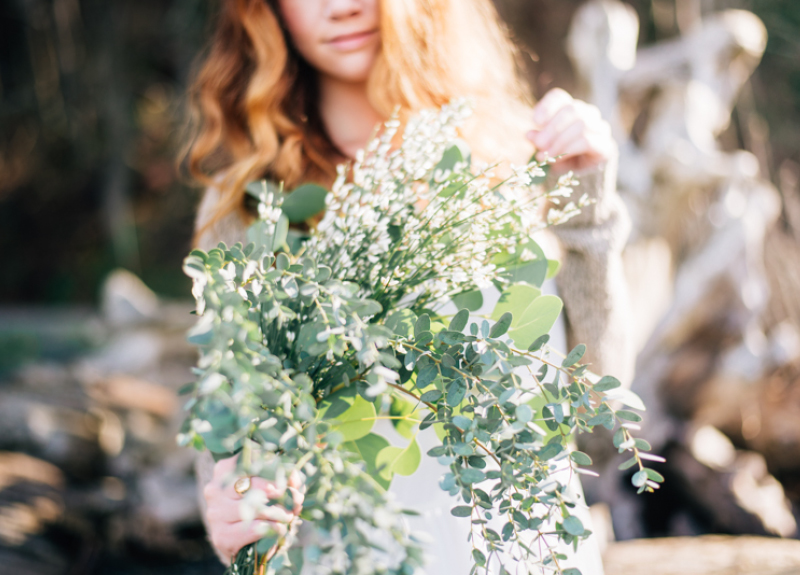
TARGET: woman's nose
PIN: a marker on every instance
(339, 9)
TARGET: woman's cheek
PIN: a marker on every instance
(300, 18)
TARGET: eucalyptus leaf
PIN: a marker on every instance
(461, 511)
(501, 326)
(628, 416)
(574, 356)
(539, 342)
(431, 396)
(304, 202)
(462, 422)
(580, 458)
(524, 413)
(606, 383)
(471, 300)
(639, 478)
(423, 324)
(401, 322)
(470, 476)
(451, 156)
(280, 233)
(455, 392)
(459, 321)
(573, 526)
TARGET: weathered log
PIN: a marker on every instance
(706, 555)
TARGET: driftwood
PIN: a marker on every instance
(708, 555)
(706, 290)
(91, 479)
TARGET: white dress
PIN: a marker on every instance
(450, 552)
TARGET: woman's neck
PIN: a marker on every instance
(347, 114)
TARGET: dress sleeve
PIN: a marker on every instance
(230, 229)
(592, 279)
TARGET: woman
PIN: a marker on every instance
(291, 88)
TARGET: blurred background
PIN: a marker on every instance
(704, 98)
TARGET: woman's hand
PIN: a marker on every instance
(572, 129)
(227, 532)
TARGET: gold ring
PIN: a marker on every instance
(242, 485)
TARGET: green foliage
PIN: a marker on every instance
(302, 351)
(536, 313)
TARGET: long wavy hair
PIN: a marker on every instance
(254, 99)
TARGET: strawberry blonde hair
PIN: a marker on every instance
(254, 112)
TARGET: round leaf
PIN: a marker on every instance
(606, 383)
(515, 299)
(539, 343)
(422, 325)
(461, 511)
(461, 422)
(368, 447)
(580, 458)
(357, 421)
(459, 321)
(502, 325)
(303, 202)
(471, 475)
(573, 526)
(639, 478)
(537, 320)
(471, 300)
(524, 413)
(574, 356)
(403, 461)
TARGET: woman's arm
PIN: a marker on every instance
(592, 280)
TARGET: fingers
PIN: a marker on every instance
(589, 145)
(566, 140)
(275, 513)
(227, 530)
(297, 499)
(223, 501)
(572, 130)
(231, 514)
(272, 489)
(296, 480)
(550, 105)
(224, 506)
(229, 539)
(566, 117)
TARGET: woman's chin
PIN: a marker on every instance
(354, 68)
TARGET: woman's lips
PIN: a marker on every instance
(348, 42)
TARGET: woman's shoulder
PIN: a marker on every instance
(209, 230)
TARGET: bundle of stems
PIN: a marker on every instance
(307, 341)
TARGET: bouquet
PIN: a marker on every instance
(307, 339)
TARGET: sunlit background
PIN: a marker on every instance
(704, 97)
